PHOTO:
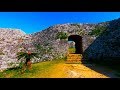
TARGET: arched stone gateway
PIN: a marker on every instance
(78, 43)
(77, 56)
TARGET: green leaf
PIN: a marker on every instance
(62, 35)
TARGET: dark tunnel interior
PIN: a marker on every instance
(78, 43)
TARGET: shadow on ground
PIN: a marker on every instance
(103, 54)
(105, 70)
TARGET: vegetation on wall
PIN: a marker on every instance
(97, 30)
(62, 35)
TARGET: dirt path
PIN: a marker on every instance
(80, 71)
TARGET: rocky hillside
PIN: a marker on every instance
(98, 40)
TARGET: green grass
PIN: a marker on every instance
(39, 70)
(62, 35)
(71, 50)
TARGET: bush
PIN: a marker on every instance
(97, 31)
(62, 35)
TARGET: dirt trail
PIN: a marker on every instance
(79, 71)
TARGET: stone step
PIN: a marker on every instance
(74, 58)
(74, 55)
(73, 62)
(71, 55)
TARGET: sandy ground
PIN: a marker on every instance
(81, 71)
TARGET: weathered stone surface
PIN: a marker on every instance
(107, 45)
(15, 40)
(60, 47)
(9, 45)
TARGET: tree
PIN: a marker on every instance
(28, 56)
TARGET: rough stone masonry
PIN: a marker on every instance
(103, 44)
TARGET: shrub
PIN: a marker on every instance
(62, 35)
(97, 31)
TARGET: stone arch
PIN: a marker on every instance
(78, 43)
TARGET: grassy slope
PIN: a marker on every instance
(53, 69)
(71, 50)
(48, 69)
(39, 70)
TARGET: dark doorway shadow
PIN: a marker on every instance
(78, 43)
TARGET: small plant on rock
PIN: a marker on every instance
(62, 35)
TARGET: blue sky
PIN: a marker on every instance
(31, 22)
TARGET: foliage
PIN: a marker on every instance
(97, 31)
(39, 70)
(62, 35)
(21, 65)
(26, 55)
